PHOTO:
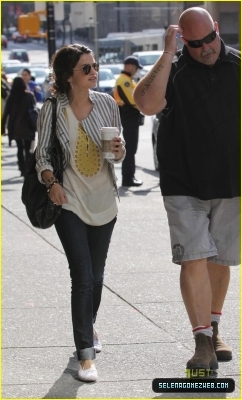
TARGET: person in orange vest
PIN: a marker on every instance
(129, 113)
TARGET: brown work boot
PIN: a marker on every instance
(222, 350)
(204, 357)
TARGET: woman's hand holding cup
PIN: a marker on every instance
(112, 145)
(117, 147)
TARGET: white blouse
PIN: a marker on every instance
(87, 180)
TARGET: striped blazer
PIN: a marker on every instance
(105, 112)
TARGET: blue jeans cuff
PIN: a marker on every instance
(86, 354)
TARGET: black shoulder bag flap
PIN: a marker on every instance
(41, 211)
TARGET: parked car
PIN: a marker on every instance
(4, 42)
(9, 32)
(11, 70)
(39, 74)
(106, 81)
(40, 64)
(10, 62)
(154, 133)
(110, 58)
(19, 38)
(147, 59)
(46, 87)
(115, 68)
(45, 83)
(19, 54)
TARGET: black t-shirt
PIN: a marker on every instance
(198, 144)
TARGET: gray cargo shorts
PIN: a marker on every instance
(204, 229)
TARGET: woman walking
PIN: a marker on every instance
(87, 195)
(19, 125)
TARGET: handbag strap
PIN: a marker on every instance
(30, 104)
(53, 125)
(53, 138)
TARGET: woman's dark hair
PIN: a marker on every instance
(26, 70)
(62, 64)
(19, 87)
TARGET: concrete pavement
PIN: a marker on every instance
(142, 321)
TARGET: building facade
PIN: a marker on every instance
(131, 16)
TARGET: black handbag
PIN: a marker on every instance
(41, 211)
(33, 115)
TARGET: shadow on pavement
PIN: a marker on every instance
(15, 180)
(123, 191)
(66, 387)
(10, 164)
(151, 172)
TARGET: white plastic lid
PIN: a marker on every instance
(110, 129)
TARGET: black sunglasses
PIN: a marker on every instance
(86, 68)
(195, 44)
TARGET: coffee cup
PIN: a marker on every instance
(107, 134)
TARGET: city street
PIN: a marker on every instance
(142, 321)
(37, 50)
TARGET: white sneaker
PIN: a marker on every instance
(88, 375)
(96, 342)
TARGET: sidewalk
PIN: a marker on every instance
(142, 321)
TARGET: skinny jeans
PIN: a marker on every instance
(86, 249)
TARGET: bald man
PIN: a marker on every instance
(199, 154)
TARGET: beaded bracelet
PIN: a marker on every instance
(52, 184)
(51, 179)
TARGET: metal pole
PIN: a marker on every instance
(168, 13)
(64, 32)
(95, 36)
(118, 16)
(71, 33)
(50, 28)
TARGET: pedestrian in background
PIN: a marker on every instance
(32, 85)
(129, 113)
(199, 153)
(87, 195)
(16, 117)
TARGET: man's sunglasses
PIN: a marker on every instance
(195, 44)
(86, 68)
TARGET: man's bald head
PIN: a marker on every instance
(196, 24)
(197, 14)
(193, 18)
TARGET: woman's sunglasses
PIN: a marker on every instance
(86, 68)
(195, 44)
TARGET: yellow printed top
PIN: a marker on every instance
(87, 180)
